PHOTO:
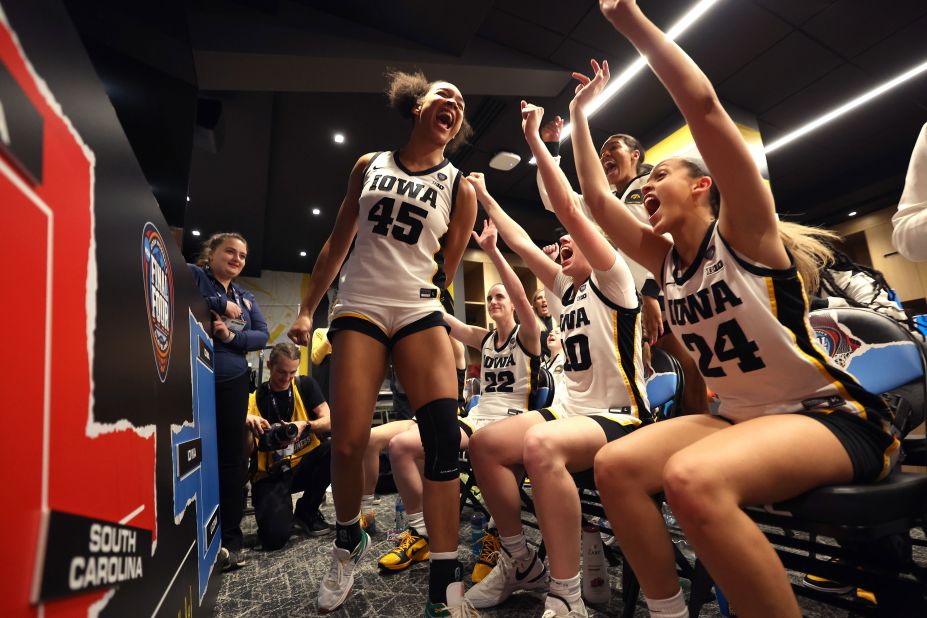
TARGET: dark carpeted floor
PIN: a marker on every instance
(285, 582)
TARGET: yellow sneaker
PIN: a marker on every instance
(489, 555)
(866, 596)
(412, 547)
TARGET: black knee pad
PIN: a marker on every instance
(437, 425)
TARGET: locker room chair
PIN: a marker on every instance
(468, 487)
(544, 395)
(871, 522)
(665, 385)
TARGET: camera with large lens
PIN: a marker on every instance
(277, 436)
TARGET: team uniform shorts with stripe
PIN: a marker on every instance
(614, 425)
(872, 451)
(384, 323)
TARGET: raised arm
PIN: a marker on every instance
(514, 235)
(465, 333)
(748, 214)
(600, 254)
(332, 255)
(530, 333)
(635, 239)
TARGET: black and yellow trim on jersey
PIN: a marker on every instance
(370, 164)
(696, 263)
(626, 328)
(406, 170)
(439, 277)
(789, 305)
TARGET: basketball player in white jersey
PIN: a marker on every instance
(412, 215)
(603, 400)
(791, 421)
(509, 366)
(622, 160)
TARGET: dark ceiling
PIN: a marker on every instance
(284, 76)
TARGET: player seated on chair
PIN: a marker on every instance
(509, 369)
(286, 414)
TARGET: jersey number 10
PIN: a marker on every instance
(409, 215)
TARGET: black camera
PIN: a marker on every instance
(277, 436)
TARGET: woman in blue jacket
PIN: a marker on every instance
(238, 327)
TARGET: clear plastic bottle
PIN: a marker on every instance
(477, 530)
(401, 522)
(596, 588)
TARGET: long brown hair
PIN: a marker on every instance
(406, 90)
(213, 242)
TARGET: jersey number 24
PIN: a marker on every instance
(730, 343)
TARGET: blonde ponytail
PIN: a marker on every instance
(811, 249)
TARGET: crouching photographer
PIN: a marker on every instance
(286, 415)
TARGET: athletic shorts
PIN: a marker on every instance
(614, 425)
(385, 324)
(471, 425)
(872, 451)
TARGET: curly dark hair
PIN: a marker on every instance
(631, 143)
(405, 90)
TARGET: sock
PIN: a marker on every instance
(673, 607)
(563, 592)
(348, 533)
(367, 503)
(517, 546)
(445, 570)
(417, 521)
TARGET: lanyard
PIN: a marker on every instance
(290, 404)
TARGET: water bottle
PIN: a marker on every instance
(477, 530)
(401, 522)
(596, 587)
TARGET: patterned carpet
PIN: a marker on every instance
(285, 582)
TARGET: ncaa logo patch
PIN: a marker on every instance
(158, 279)
(442, 176)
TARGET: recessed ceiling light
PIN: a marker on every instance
(638, 65)
(188, 198)
(195, 232)
(339, 138)
(504, 161)
(852, 213)
(302, 254)
(316, 211)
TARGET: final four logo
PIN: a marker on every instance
(159, 296)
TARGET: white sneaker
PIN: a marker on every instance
(507, 577)
(337, 584)
(565, 609)
(456, 607)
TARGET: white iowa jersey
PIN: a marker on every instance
(397, 257)
(508, 376)
(747, 328)
(603, 371)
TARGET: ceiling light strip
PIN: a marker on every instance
(846, 107)
(640, 63)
